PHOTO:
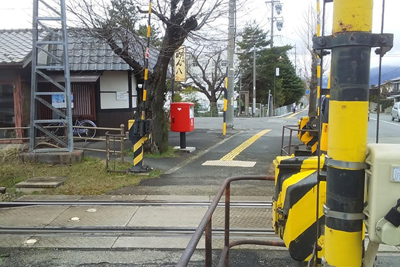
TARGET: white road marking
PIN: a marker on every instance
(388, 122)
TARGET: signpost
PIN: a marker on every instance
(180, 64)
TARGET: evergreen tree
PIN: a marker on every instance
(288, 87)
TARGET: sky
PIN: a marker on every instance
(18, 14)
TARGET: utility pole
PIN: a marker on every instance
(272, 23)
(295, 59)
(231, 51)
(254, 81)
(277, 4)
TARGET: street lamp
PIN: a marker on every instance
(279, 59)
(254, 81)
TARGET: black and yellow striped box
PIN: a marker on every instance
(295, 202)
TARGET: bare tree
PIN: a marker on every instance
(306, 34)
(116, 22)
(206, 72)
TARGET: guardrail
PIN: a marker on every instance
(286, 149)
(14, 135)
(206, 222)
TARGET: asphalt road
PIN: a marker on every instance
(252, 140)
(189, 174)
(389, 131)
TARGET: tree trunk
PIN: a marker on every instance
(213, 107)
(160, 127)
(312, 111)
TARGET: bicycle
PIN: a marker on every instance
(86, 130)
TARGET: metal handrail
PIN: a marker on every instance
(206, 222)
(292, 128)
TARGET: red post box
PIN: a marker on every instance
(182, 117)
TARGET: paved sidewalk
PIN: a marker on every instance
(129, 217)
(144, 219)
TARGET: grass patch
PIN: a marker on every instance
(88, 177)
(170, 153)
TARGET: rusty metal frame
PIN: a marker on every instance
(286, 150)
(114, 138)
(206, 226)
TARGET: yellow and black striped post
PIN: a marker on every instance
(146, 65)
(347, 137)
(225, 106)
(323, 113)
(137, 148)
(318, 57)
(351, 44)
(138, 130)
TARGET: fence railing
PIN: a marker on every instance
(17, 135)
(283, 110)
(262, 111)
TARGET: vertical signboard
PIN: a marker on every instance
(180, 68)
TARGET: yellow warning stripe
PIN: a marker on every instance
(148, 31)
(231, 155)
(138, 159)
(139, 143)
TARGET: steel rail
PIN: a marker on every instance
(255, 232)
(238, 204)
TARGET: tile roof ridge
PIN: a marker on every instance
(16, 30)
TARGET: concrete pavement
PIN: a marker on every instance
(156, 214)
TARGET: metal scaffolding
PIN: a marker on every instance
(50, 54)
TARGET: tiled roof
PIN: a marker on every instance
(86, 53)
(15, 46)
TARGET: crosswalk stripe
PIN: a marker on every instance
(227, 160)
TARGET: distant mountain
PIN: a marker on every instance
(388, 73)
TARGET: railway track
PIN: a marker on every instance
(132, 230)
(233, 204)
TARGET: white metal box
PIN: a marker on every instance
(382, 191)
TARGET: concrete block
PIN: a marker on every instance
(64, 158)
(188, 149)
(39, 183)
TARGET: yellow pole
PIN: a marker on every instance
(225, 106)
(347, 137)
